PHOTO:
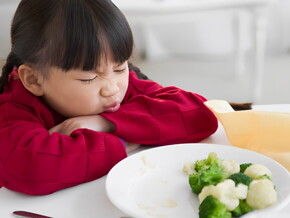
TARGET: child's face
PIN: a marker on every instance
(80, 93)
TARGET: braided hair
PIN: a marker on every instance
(11, 62)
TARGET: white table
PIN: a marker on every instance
(149, 12)
(89, 200)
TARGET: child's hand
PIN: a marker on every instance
(94, 122)
(131, 146)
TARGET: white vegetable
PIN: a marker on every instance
(256, 170)
(226, 192)
(189, 168)
(261, 194)
(230, 166)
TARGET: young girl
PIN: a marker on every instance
(69, 101)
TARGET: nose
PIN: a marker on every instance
(109, 88)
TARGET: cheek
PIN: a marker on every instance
(124, 86)
(82, 101)
(77, 105)
(72, 100)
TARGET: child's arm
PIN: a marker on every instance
(154, 115)
(93, 122)
(34, 162)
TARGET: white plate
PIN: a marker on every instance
(151, 183)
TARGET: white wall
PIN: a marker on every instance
(279, 26)
(7, 9)
(200, 34)
(206, 33)
(211, 33)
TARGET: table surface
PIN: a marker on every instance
(89, 200)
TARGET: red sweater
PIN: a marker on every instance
(34, 162)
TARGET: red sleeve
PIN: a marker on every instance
(35, 162)
(155, 115)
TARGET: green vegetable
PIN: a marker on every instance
(241, 178)
(241, 209)
(212, 208)
(206, 163)
(195, 183)
(210, 176)
(265, 177)
(244, 166)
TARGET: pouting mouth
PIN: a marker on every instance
(113, 107)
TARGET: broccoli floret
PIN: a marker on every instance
(244, 166)
(206, 163)
(213, 175)
(195, 183)
(242, 209)
(210, 176)
(241, 178)
(212, 208)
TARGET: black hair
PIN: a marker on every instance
(67, 34)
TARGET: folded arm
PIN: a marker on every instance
(155, 115)
(36, 162)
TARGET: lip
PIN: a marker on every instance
(113, 108)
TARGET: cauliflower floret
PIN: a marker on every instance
(230, 166)
(261, 194)
(206, 191)
(189, 168)
(256, 170)
(226, 192)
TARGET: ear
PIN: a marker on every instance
(30, 79)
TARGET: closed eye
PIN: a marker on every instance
(120, 71)
(88, 80)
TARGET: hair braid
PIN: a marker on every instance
(12, 61)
